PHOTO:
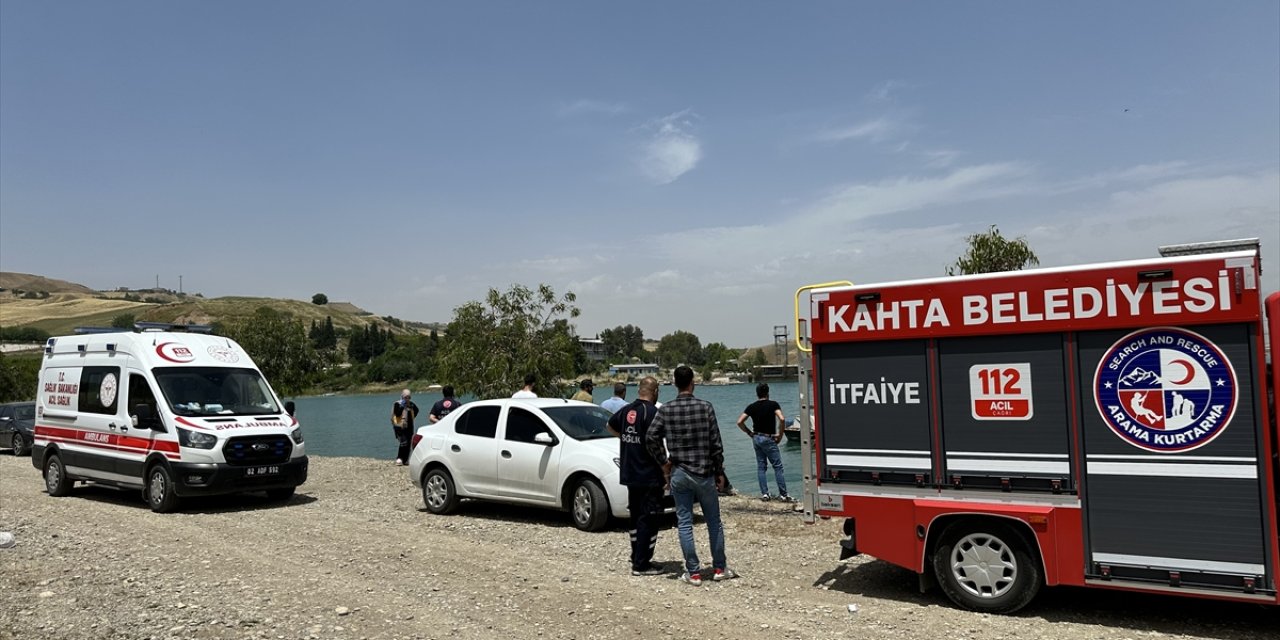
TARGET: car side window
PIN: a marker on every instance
(481, 422)
(522, 425)
(99, 387)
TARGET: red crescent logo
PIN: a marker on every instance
(174, 352)
(1190, 372)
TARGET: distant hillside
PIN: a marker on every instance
(69, 305)
(26, 282)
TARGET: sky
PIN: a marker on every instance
(675, 165)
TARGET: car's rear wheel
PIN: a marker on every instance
(438, 492)
(590, 507)
(56, 482)
(21, 445)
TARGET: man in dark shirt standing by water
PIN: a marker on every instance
(443, 406)
(641, 475)
(692, 456)
(766, 418)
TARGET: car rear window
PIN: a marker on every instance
(478, 421)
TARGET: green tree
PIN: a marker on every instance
(680, 347)
(720, 356)
(623, 342)
(320, 299)
(19, 378)
(990, 252)
(491, 345)
(123, 321)
(758, 358)
(278, 344)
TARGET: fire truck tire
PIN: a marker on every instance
(438, 492)
(56, 482)
(986, 566)
(160, 491)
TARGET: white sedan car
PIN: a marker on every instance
(538, 451)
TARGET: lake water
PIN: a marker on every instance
(360, 425)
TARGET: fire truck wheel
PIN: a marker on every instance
(56, 482)
(986, 566)
(160, 494)
(438, 492)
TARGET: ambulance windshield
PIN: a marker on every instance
(215, 391)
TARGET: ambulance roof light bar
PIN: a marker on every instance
(145, 327)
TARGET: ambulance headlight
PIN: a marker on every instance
(195, 439)
(296, 434)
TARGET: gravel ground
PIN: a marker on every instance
(353, 555)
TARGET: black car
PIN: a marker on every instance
(17, 426)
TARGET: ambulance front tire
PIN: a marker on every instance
(986, 566)
(281, 495)
(56, 482)
(160, 490)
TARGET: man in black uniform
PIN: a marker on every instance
(765, 432)
(642, 476)
(444, 406)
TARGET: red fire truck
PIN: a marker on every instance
(1107, 425)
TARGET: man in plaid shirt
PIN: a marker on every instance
(691, 460)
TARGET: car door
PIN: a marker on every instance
(7, 425)
(472, 452)
(527, 469)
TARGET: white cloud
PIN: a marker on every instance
(877, 130)
(903, 194)
(590, 107)
(672, 149)
(884, 91)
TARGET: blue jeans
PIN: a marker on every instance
(685, 488)
(767, 452)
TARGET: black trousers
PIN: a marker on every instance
(645, 505)
(403, 436)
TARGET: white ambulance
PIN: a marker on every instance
(162, 409)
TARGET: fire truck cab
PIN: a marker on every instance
(1105, 425)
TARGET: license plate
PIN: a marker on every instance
(261, 471)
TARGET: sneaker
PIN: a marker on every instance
(651, 570)
(399, 462)
(764, 497)
(724, 574)
(694, 579)
(787, 498)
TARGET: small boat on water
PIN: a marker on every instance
(792, 429)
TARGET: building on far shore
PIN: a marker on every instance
(594, 348)
(775, 372)
(633, 370)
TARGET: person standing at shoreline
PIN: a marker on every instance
(527, 390)
(584, 391)
(685, 439)
(444, 406)
(403, 413)
(619, 398)
(640, 474)
(765, 433)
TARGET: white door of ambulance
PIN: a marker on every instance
(136, 441)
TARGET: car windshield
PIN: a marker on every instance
(215, 391)
(24, 412)
(579, 422)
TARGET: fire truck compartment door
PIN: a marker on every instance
(1173, 485)
(875, 424)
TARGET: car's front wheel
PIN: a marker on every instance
(590, 507)
(21, 444)
(438, 492)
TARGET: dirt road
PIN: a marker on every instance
(354, 556)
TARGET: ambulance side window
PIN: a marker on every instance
(140, 393)
(99, 387)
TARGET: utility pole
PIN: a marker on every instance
(179, 283)
(157, 281)
(781, 343)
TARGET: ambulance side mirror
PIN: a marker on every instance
(144, 417)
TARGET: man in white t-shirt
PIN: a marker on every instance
(527, 391)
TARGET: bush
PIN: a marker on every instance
(320, 299)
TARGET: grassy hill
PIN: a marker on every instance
(70, 305)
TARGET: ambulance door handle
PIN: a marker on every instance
(112, 426)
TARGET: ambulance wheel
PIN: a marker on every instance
(281, 494)
(986, 566)
(160, 494)
(590, 507)
(56, 482)
(438, 492)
